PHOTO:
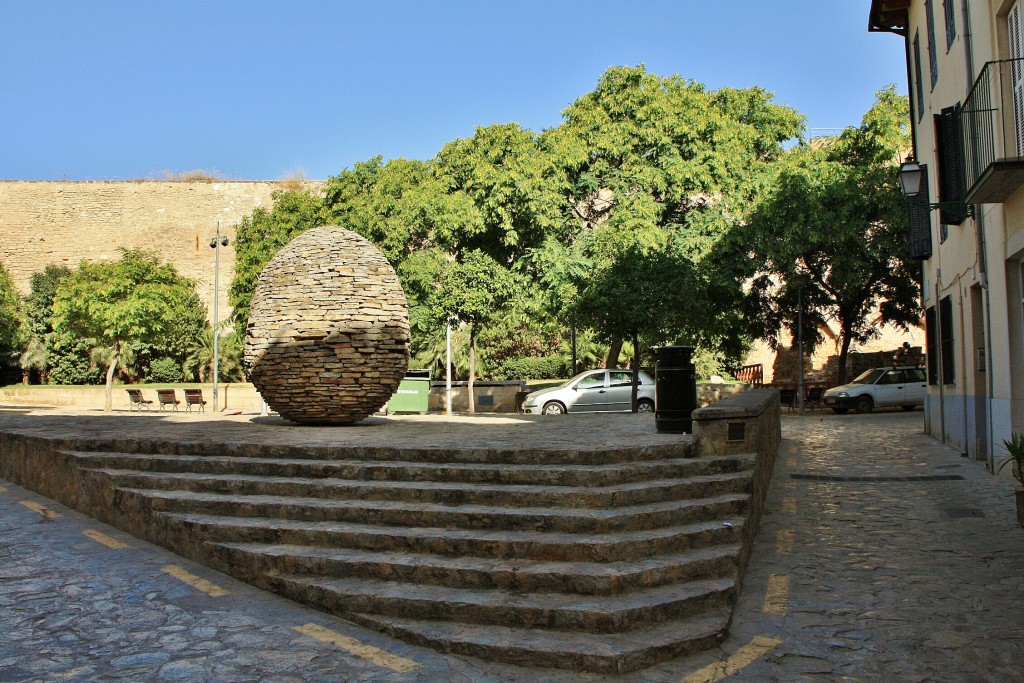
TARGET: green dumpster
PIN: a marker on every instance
(413, 393)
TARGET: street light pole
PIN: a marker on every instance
(216, 243)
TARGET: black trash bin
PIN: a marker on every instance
(675, 386)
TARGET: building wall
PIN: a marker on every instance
(976, 264)
(64, 223)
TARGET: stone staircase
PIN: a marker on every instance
(603, 561)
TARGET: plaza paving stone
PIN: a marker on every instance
(865, 569)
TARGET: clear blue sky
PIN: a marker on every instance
(255, 89)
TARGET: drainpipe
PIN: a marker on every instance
(979, 225)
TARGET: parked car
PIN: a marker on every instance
(902, 386)
(593, 391)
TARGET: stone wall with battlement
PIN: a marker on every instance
(64, 223)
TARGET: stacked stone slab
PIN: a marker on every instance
(328, 335)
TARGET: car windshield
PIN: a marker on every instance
(868, 377)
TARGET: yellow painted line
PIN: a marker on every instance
(784, 542)
(196, 582)
(789, 505)
(36, 507)
(776, 598)
(367, 652)
(101, 537)
(742, 658)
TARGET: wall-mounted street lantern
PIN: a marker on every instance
(911, 174)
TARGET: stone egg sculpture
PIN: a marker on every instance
(328, 335)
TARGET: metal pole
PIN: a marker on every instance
(800, 342)
(216, 243)
(448, 368)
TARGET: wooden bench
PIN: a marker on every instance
(137, 402)
(167, 398)
(194, 397)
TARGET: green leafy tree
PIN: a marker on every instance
(514, 186)
(38, 311)
(125, 304)
(831, 232)
(400, 206)
(12, 333)
(656, 162)
(472, 291)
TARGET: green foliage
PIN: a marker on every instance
(514, 188)
(528, 367)
(70, 361)
(831, 232)
(644, 167)
(473, 291)
(132, 309)
(259, 236)
(199, 361)
(1014, 447)
(12, 340)
(165, 371)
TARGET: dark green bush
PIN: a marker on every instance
(165, 371)
(548, 367)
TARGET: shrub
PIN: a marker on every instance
(548, 367)
(165, 371)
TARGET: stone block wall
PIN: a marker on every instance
(64, 223)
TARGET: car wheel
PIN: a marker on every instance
(840, 411)
(908, 408)
(864, 404)
(553, 408)
(644, 406)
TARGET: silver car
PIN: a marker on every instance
(593, 391)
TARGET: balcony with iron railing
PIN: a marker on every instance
(992, 124)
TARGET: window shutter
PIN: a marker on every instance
(931, 345)
(952, 176)
(919, 218)
(1017, 74)
(947, 351)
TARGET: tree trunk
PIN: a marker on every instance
(109, 389)
(24, 376)
(636, 372)
(472, 368)
(613, 353)
(844, 349)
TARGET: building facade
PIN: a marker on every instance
(965, 71)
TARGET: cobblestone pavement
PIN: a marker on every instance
(882, 556)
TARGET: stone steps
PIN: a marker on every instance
(441, 493)
(465, 454)
(593, 560)
(481, 473)
(466, 571)
(557, 611)
(612, 653)
(413, 514)
(487, 543)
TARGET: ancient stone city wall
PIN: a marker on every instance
(64, 223)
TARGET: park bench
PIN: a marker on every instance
(137, 402)
(194, 397)
(167, 398)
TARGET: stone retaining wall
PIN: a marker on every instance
(745, 423)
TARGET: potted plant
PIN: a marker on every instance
(1015, 457)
